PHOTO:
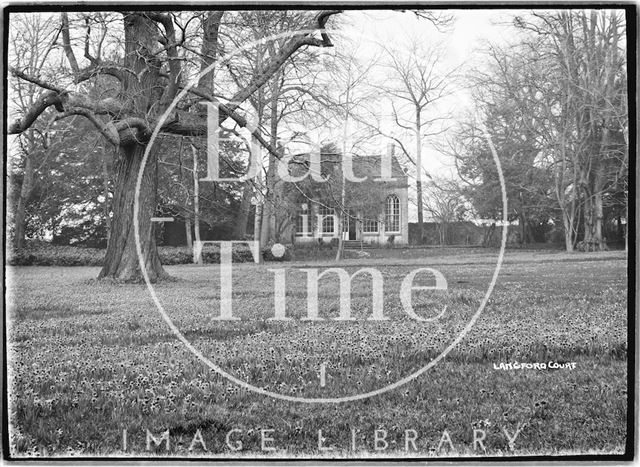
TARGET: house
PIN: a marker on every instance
(376, 209)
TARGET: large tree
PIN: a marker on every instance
(555, 105)
(416, 82)
(32, 41)
(149, 70)
(278, 105)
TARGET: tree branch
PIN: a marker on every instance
(66, 43)
(36, 81)
(31, 115)
(107, 131)
(98, 68)
(284, 53)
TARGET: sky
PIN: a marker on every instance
(471, 31)
(462, 42)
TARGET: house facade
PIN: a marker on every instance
(376, 210)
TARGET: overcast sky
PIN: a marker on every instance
(472, 30)
(462, 43)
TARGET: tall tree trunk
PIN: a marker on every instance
(121, 261)
(266, 215)
(593, 209)
(343, 220)
(588, 220)
(598, 189)
(21, 206)
(240, 228)
(598, 211)
(343, 183)
(209, 50)
(196, 207)
(525, 231)
(567, 222)
(187, 229)
(268, 208)
(419, 173)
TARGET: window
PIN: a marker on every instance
(327, 225)
(392, 214)
(370, 226)
(325, 215)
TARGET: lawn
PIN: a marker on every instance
(90, 361)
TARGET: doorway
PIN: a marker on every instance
(351, 222)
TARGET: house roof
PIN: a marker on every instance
(370, 165)
(363, 165)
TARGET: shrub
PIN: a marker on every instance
(311, 251)
(555, 235)
(175, 255)
(390, 241)
(590, 246)
(210, 255)
(46, 254)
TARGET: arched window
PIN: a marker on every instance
(392, 214)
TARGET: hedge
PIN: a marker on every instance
(46, 254)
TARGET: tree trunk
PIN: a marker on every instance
(209, 50)
(268, 208)
(568, 232)
(593, 211)
(570, 217)
(240, 228)
(598, 212)
(526, 236)
(196, 207)
(266, 217)
(187, 229)
(343, 187)
(121, 261)
(21, 205)
(588, 221)
(419, 174)
(488, 235)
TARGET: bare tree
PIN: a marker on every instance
(149, 76)
(555, 104)
(32, 41)
(416, 83)
(445, 204)
(588, 51)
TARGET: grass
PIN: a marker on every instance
(89, 359)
